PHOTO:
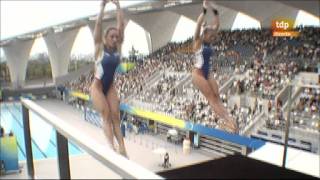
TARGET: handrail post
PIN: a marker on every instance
(287, 129)
(63, 156)
(27, 141)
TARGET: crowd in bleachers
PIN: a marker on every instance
(265, 80)
(163, 88)
(134, 81)
(266, 62)
(305, 112)
(309, 102)
(275, 117)
(82, 84)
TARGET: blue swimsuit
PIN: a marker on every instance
(106, 67)
(203, 59)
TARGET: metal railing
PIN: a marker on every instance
(123, 167)
(288, 117)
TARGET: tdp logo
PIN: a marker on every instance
(283, 27)
(282, 24)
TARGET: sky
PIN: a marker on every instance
(19, 17)
(24, 16)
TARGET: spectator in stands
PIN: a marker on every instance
(279, 105)
(200, 74)
(250, 111)
(61, 89)
(260, 104)
(166, 163)
(255, 104)
(103, 93)
(269, 106)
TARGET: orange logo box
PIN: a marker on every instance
(285, 33)
(283, 28)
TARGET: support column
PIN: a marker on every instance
(59, 49)
(160, 25)
(17, 54)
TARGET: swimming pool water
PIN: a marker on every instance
(43, 135)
